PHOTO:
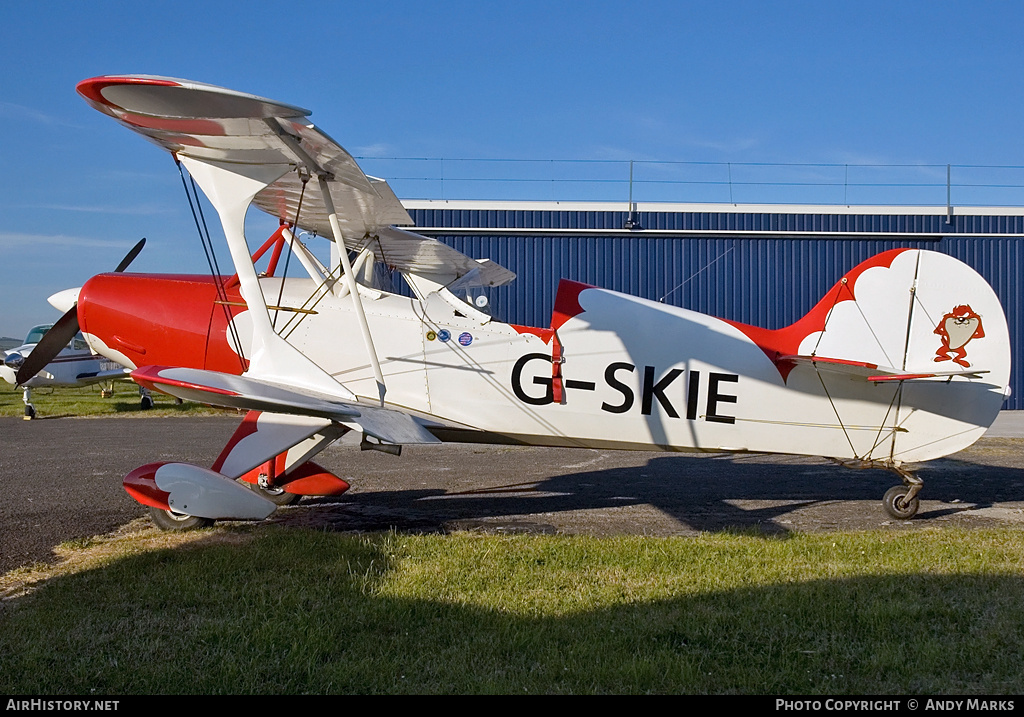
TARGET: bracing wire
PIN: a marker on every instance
(211, 258)
(287, 259)
(314, 298)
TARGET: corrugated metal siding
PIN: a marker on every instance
(766, 281)
(717, 221)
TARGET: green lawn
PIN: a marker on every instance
(87, 401)
(261, 609)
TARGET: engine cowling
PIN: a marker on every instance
(168, 320)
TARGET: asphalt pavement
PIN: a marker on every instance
(1008, 424)
(61, 480)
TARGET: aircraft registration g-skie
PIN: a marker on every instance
(905, 360)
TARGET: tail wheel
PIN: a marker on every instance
(898, 505)
(169, 520)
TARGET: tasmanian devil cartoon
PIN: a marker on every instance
(957, 328)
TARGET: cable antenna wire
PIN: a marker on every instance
(696, 274)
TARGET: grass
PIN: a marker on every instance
(262, 609)
(87, 401)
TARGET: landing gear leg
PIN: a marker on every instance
(264, 485)
(30, 410)
(146, 400)
(901, 501)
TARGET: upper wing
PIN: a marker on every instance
(206, 122)
(416, 254)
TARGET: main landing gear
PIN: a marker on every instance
(30, 410)
(184, 488)
(275, 494)
(169, 520)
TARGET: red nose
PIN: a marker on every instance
(162, 320)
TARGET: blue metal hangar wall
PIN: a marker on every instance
(765, 265)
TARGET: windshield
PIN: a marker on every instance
(36, 333)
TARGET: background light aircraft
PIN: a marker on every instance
(57, 355)
(75, 365)
(906, 359)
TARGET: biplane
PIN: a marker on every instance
(906, 359)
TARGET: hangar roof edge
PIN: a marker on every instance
(674, 207)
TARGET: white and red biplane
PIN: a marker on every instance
(905, 360)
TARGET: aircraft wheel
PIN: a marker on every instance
(277, 496)
(30, 412)
(169, 520)
(146, 403)
(897, 506)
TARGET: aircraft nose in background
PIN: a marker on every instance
(64, 300)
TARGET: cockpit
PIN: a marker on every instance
(36, 333)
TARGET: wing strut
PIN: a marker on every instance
(230, 186)
(350, 282)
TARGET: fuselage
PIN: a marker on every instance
(612, 370)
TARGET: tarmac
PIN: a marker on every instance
(61, 481)
(1008, 424)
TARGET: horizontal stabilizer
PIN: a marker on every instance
(904, 376)
(869, 371)
(244, 392)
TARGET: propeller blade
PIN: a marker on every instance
(49, 346)
(64, 330)
(130, 256)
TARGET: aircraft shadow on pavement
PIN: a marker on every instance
(702, 494)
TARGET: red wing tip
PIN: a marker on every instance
(92, 88)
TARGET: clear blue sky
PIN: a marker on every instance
(820, 82)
